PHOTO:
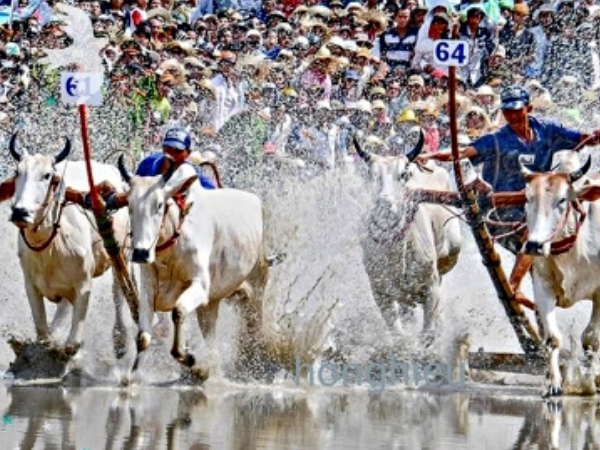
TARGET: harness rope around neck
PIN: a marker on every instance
(52, 188)
(184, 210)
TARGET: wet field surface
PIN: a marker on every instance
(228, 417)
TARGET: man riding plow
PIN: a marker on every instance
(547, 220)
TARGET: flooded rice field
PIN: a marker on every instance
(319, 314)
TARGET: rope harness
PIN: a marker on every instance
(557, 248)
(184, 210)
(48, 201)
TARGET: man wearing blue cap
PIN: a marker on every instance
(523, 140)
(176, 145)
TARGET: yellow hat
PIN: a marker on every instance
(408, 115)
(363, 52)
(289, 92)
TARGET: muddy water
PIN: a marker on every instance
(226, 417)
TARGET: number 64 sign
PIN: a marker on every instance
(451, 53)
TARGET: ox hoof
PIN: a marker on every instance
(553, 392)
(72, 349)
(143, 341)
(186, 359)
(200, 374)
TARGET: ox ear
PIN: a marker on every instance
(179, 185)
(589, 193)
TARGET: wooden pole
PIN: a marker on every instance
(526, 333)
(105, 229)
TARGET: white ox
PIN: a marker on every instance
(405, 259)
(59, 248)
(555, 203)
(191, 263)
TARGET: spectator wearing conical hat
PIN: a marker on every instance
(486, 98)
(428, 119)
(319, 73)
(382, 125)
(476, 119)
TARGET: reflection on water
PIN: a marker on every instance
(222, 417)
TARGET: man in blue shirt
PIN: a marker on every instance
(176, 145)
(524, 140)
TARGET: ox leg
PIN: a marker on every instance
(207, 319)
(80, 308)
(431, 311)
(62, 310)
(552, 334)
(192, 298)
(590, 340)
(146, 311)
(120, 329)
(38, 311)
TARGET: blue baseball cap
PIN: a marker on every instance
(352, 75)
(514, 97)
(177, 138)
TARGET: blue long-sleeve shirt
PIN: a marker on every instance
(150, 167)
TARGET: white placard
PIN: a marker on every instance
(81, 88)
(451, 53)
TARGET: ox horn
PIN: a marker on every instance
(170, 171)
(364, 155)
(577, 174)
(416, 151)
(125, 173)
(13, 148)
(65, 152)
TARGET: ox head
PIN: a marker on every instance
(549, 196)
(36, 180)
(390, 172)
(147, 199)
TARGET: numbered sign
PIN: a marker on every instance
(451, 53)
(81, 88)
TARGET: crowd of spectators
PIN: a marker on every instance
(296, 79)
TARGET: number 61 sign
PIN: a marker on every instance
(451, 53)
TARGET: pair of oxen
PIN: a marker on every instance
(411, 245)
(193, 257)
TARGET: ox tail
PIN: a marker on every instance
(276, 259)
